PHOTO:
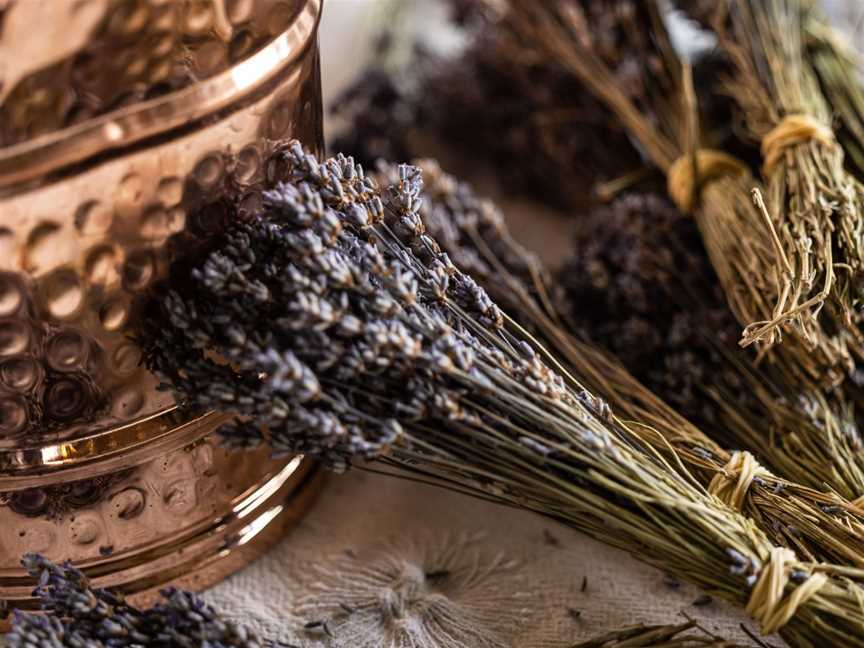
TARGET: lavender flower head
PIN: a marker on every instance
(331, 319)
(81, 616)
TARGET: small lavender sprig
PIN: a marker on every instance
(336, 324)
(81, 616)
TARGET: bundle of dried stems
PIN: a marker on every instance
(335, 321)
(741, 239)
(821, 526)
(839, 68)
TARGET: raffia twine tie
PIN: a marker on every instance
(766, 604)
(710, 164)
(732, 484)
(792, 130)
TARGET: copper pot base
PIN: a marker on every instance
(200, 555)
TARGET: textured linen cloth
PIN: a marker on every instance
(518, 579)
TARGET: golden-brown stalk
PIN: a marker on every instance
(822, 526)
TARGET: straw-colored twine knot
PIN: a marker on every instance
(792, 130)
(710, 164)
(733, 482)
(766, 604)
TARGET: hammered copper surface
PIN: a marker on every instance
(120, 52)
(76, 253)
(96, 465)
(177, 519)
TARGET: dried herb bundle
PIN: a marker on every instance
(81, 616)
(743, 249)
(339, 327)
(659, 636)
(640, 263)
(814, 205)
(838, 66)
(834, 59)
(626, 267)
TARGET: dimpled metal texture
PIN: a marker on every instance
(122, 129)
(129, 51)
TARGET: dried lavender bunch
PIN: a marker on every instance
(837, 64)
(332, 324)
(813, 204)
(743, 250)
(627, 256)
(81, 616)
(630, 258)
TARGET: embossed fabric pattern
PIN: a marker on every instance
(389, 563)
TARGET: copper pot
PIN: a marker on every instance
(118, 126)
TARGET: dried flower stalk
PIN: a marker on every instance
(821, 526)
(336, 324)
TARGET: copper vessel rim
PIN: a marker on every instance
(47, 154)
(113, 449)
